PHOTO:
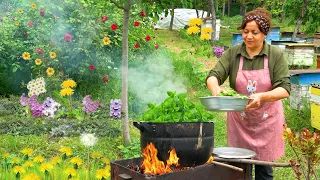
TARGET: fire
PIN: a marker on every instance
(152, 165)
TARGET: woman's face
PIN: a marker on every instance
(252, 36)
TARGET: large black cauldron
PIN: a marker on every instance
(193, 141)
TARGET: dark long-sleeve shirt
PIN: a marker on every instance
(228, 65)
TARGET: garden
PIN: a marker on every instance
(75, 75)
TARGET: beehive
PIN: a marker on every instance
(315, 105)
(299, 54)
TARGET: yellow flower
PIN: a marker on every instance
(195, 22)
(18, 169)
(17, 23)
(102, 173)
(5, 155)
(50, 71)
(45, 167)
(70, 171)
(32, 176)
(66, 150)
(55, 160)
(66, 92)
(53, 55)
(38, 61)
(105, 160)
(26, 56)
(15, 160)
(76, 160)
(96, 155)
(28, 164)
(206, 30)
(38, 159)
(69, 83)
(193, 30)
(27, 151)
(106, 41)
(33, 6)
(205, 37)
(20, 11)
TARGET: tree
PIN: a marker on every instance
(303, 12)
(213, 22)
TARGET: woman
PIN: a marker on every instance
(258, 70)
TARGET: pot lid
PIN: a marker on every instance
(233, 153)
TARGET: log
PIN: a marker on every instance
(252, 161)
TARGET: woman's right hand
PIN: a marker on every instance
(213, 86)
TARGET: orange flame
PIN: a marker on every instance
(152, 165)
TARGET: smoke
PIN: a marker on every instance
(151, 81)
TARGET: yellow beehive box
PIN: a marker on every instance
(315, 105)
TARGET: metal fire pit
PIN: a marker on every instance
(122, 170)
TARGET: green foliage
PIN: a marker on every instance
(131, 151)
(176, 109)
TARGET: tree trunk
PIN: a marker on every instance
(229, 4)
(223, 8)
(213, 22)
(217, 6)
(299, 21)
(125, 118)
(282, 13)
(172, 18)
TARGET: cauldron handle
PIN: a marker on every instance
(143, 126)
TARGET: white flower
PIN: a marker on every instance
(88, 139)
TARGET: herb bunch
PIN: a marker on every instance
(176, 108)
(231, 92)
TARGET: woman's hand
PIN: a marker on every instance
(255, 102)
(213, 86)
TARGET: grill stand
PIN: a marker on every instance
(120, 171)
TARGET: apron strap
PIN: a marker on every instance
(265, 62)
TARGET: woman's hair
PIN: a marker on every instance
(262, 18)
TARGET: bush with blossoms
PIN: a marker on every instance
(46, 44)
(73, 39)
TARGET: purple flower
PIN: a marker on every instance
(218, 50)
(89, 106)
(115, 108)
(24, 101)
(35, 107)
(48, 102)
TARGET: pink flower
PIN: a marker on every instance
(104, 18)
(148, 38)
(91, 67)
(136, 24)
(105, 79)
(39, 51)
(136, 46)
(41, 12)
(89, 106)
(114, 27)
(67, 37)
(143, 13)
(156, 46)
(30, 24)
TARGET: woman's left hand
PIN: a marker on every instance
(255, 102)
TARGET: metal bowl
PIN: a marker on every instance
(224, 103)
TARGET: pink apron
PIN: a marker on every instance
(259, 129)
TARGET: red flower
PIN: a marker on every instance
(67, 37)
(41, 12)
(155, 28)
(156, 46)
(136, 46)
(91, 67)
(25, 34)
(143, 13)
(30, 24)
(104, 18)
(136, 23)
(105, 79)
(148, 38)
(161, 18)
(114, 27)
(39, 51)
